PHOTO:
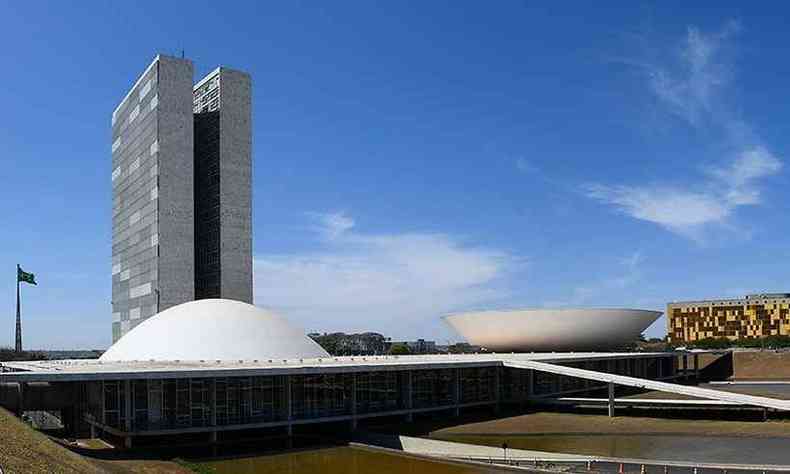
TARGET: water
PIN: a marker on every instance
(691, 448)
(340, 460)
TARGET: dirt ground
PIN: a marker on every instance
(761, 365)
(25, 450)
(572, 423)
(754, 364)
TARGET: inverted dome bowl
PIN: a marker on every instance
(552, 329)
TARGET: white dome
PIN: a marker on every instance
(552, 329)
(214, 329)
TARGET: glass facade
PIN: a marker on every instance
(379, 391)
(236, 401)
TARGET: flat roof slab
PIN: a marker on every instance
(81, 370)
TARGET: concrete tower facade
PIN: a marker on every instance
(223, 186)
(181, 181)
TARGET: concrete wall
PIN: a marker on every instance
(751, 365)
(152, 195)
(235, 185)
(176, 184)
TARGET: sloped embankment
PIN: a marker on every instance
(23, 449)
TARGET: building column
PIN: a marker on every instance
(20, 398)
(288, 407)
(409, 396)
(531, 384)
(497, 390)
(696, 368)
(127, 410)
(103, 405)
(354, 421)
(611, 399)
(685, 366)
(213, 415)
(457, 391)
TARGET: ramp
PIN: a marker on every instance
(644, 402)
(735, 398)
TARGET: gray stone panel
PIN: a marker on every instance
(176, 203)
(236, 185)
(147, 132)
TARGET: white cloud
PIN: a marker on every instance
(741, 175)
(686, 212)
(398, 284)
(523, 165)
(333, 224)
(693, 88)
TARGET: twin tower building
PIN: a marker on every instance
(182, 194)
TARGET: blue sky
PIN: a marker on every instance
(414, 159)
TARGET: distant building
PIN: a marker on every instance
(752, 317)
(420, 346)
(181, 168)
(460, 348)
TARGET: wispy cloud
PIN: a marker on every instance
(332, 225)
(693, 88)
(399, 283)
(524, 165)
(716, 196)
(626, 274)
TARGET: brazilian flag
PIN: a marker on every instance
(25, 277)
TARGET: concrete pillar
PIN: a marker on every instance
(611, 399)
(103, 405)
(497, 389)
(127, 404)
(288, 407)
(212, 394)
(20, 399)
(685, 366)
(531, 385)
(696, 367)
(457, 391)
(408, 396)
(354, 421)
(213, 415)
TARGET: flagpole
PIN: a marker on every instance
(18, 345)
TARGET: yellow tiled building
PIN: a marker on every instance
(752, 317)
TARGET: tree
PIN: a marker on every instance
(399, 348)
(9, 355)
(713, 343)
